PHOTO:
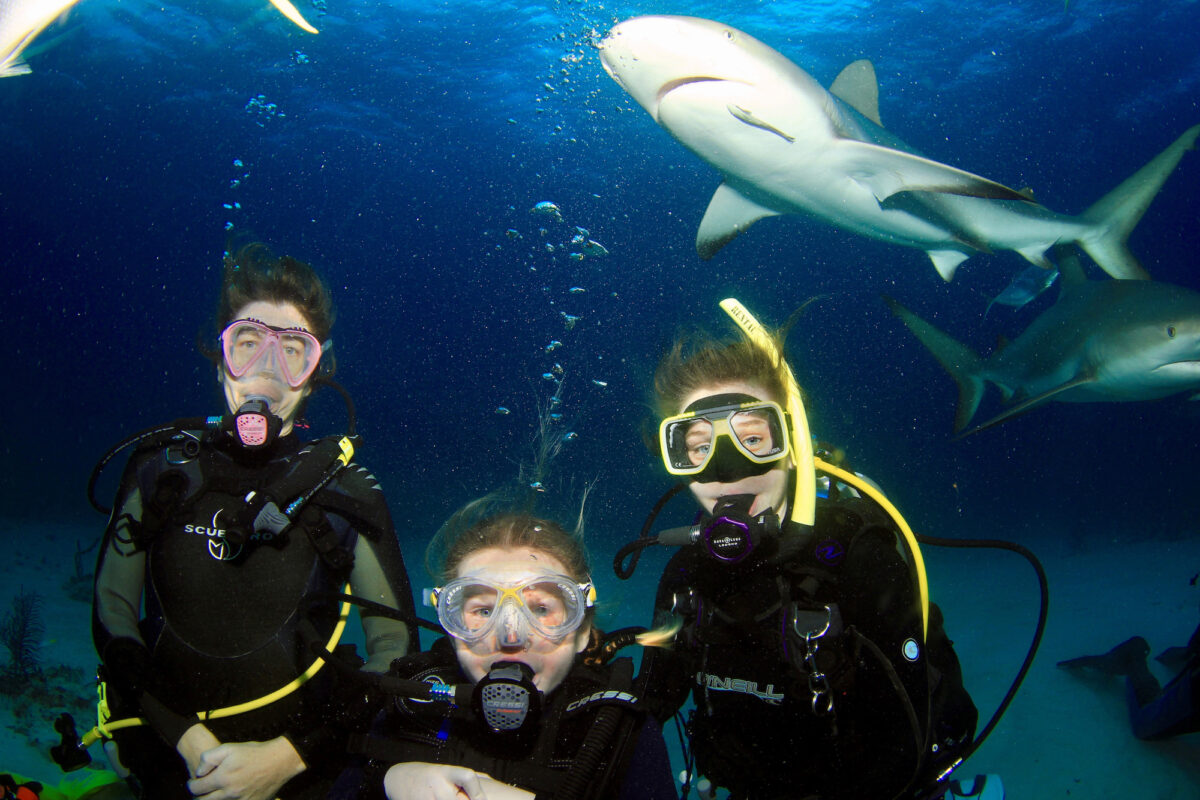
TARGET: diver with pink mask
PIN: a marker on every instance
(228, 531)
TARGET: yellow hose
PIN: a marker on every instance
(878, 496)
(104, 728)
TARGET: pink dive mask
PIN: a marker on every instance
(245, 344)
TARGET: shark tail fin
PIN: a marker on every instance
(1115, 215)
(955, 357)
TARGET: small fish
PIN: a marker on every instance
(594, 248)
(569, 319)
(554, 345)
(557, 369)
(513, 233)
(749, 118)
(601, 384)
(20, 22)
(556, 416)
(502, 411)
(570, 437)
(577, 256)
(578, 238)
(547, 209)
(577, 290)
(537, 486)
(1032, 281)
(582, 233)
(547, 376)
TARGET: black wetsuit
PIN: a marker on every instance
(1172, 710)
(220, 619)
(634, 763)
(889, 714)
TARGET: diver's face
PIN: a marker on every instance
(550, 660)
(265, 378)
(770, 488)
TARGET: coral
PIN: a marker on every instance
(21, 633)
(79, 585)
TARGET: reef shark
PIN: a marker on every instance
(785, 145)
(1111, 340)
(22, 20)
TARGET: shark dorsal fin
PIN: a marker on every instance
(1070, 270)
(857, 86)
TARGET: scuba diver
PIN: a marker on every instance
(541, 708)
(1155, 711)
(222, 526)
(817, 666)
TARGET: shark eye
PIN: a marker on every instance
(1170, 331)
(729, 35)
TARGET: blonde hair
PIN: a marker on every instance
(697, 360)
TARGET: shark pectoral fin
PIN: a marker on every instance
(857, 86)
(729, 213)
(886, 171)
(292, 13)
(1028, 403)
(946, 262)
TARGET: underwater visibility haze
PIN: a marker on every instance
(511, 243)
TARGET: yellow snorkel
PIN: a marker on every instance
(804, 497)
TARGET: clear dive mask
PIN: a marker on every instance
(295, 352)
(474, 607)
(756, 428)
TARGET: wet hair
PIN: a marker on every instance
(697, 360)
(254, 273)
(508, 530)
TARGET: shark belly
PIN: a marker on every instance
(810, 174)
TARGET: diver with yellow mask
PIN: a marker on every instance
(816, 664)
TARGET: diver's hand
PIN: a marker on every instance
(420, 780)
(195, 741)
(246, 770)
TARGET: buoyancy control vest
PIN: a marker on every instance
(206, 566)
(539, 759)
(819, 644)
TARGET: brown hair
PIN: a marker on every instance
(516, 529)
(697, 360)
(253, 273)
(509, 529)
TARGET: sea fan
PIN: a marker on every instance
(21, 633)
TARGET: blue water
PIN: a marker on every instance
(395, 150)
